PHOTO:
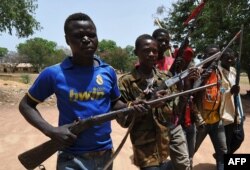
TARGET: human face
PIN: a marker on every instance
(147, 53)
(228, 59)
(163, 41)
(208, 53)
(211, 52)
(82, 39)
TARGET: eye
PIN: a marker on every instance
(91, 35)
(77, 35)
(155, 51)
(146, 50)
(234, 58)
(163, 40)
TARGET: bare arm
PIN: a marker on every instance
(62, 134)
(27, 108)
(138, 108)
(118, 104)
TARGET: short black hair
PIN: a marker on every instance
(207, 51)
(142, 37)
(76, 17)
(158, 31)
(228, 52)
(211, 46)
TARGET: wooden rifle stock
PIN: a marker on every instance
(34, 157)
(37, 155)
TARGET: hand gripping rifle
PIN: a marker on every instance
(214, 64)
(34, 157)
(180, 76)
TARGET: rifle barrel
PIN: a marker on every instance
(34, 157)
(152, 102)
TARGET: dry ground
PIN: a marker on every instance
(17, 136)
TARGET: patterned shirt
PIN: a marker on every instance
(148, 136)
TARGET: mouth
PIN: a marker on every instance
(87, 48)
(151, 61)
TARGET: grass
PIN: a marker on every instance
(18, 77)
(244, 80)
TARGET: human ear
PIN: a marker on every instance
(66, 39)
(135, 52)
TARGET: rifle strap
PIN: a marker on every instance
(218, 87)
(120, 145)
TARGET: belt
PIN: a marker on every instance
(96, 153)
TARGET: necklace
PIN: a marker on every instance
(150, 81)
(149, 87)
(149, 78)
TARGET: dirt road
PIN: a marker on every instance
(17, 136)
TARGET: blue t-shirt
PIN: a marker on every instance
(81, 92)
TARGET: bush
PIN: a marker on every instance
(25, 78)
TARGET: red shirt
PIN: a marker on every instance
(187, 54)
(165, 63)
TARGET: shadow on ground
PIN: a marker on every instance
(204, 166)
(246, 103)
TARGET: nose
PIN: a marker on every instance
(153, 55)
(85, 39)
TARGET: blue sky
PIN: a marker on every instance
(119, 20)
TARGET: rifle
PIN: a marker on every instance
(180, 52)
(180, 76)
(237, 81)
(34, 157)
(190, 23)
(214, 64)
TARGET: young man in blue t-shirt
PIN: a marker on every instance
(84, 87)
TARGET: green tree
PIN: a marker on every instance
(133, 59)
(121, 59)
(218, 22)
(57, 57)
(18, 15)
(38, 51)
(104, 49)
(130, 50)
(3, 53)
(106, 45)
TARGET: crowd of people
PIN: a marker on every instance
(164, 136)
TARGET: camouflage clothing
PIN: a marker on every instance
(149, 137)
